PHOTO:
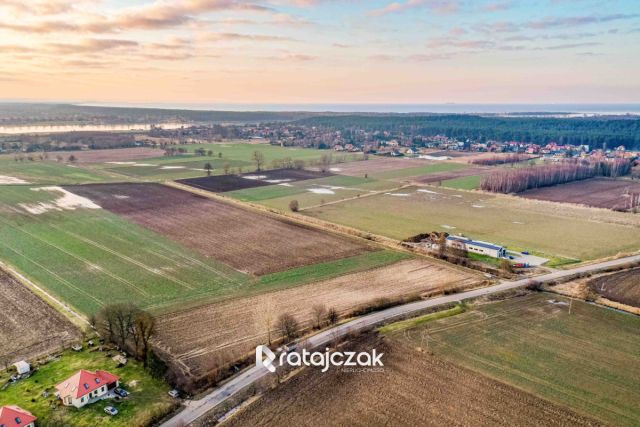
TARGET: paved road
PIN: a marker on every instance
(197, 408)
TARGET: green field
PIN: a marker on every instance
(148, 397)
(566, 231)
(587, 359)
(91, 257)
(338, 187)
(464, 183)
(238, 155)
(417, 171)
(49, 172)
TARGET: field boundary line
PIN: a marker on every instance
(75, 317)
(373, 193)
(318, 224)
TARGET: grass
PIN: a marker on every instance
(565, 232)
(471, 182)
(421, 320)
(420, 170)
(148, 398)
(49, 172)
(484, 259)
(329, 270)
(587, 359)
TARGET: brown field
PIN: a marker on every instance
(209, 336)
(377, 165)
(29, 327)
(109, 155)
(597, 192)
(246, 240)
(443, 176)
(415, 389)
(223, 183)
(622, 287)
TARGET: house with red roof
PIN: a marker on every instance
(15, 416)
(86, 387)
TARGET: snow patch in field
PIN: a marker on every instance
(448, 227)
(518, 222)
(172, 167)
(4, 179)
(277, 181)
(427, 191)
(285, 184)
(457, 195)
(321, 191)
(398, 194)
(121, 163)
(334, 187)
(335, 169)
(144, 164)
(120, 196)
(68, 201)
(255, 177)
(477, 206)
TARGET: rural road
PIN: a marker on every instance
(197, 408)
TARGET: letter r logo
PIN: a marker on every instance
(269, 357)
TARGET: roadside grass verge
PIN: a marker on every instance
(421, 320)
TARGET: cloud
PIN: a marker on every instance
(574, 21)
(464, 44)
(90, 46)
(244, 37)
(496, 6)
(436, 6)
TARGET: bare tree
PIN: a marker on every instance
(266, 312)
(294, 205)
(288, 326)
(332, 316)
(319, 312)
(258, 159)
(298, 164)
(144, 325)
(226, 167)
(208, 168)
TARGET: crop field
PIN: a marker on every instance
(622, 287)
(247, 241)
(565, 353)
(448, 175)
(377, 165)
(29, 327)
(114, 155)
(237, 155)
(90, 257)
(415, 389)
(428, 168)
(471, 182)
(556, 230)
(597, 192)
(222, 183)
(46, 172)
(209, 336)
(313, 192)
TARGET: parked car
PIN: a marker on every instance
(111, 410)
(121, 392)
(174, 393)
(525, 252)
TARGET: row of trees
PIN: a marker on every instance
(516, 180)
(128, 327)
(500, 160)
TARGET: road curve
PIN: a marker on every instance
(197, 408)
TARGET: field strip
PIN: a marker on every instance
(61, 279)
(318, 224)
(84, 261)
(373, 193)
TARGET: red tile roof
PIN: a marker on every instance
(84, 382)
(10, 415)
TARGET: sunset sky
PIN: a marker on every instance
(320, 51)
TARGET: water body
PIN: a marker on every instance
(15, 130)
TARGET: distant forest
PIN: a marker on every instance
(597, 132)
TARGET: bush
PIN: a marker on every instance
(294, 206)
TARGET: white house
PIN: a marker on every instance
(476, 246)
(15, 416)
(86, 387)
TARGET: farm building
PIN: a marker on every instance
(22, 367)
(476, 246)
(15, 416)
(86, 387)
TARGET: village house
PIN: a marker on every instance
(86, 387)
(15, 416)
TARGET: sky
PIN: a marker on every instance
(320, 51)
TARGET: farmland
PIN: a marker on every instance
(415, 388)
(114, 155)
(515, 222)
(597, 192)
(220, 230)
(29, 327)
(148, 399)
(209, 336)
(48, 172)
(622, 287)
(377, 165)
(571, 357)
(90, 257)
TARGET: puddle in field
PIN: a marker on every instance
(477, 206)
(398, 194)
(321, 191)
(173, 167)
(255, 177)
(421, 190)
